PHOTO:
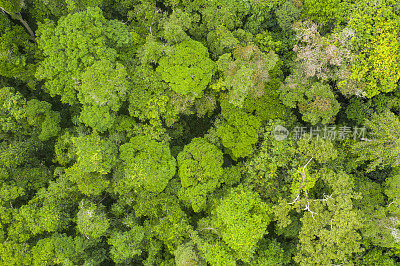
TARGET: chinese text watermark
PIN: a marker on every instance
(328, 132)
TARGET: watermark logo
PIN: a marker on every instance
(328, 132)
(281, 132)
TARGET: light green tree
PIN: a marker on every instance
(186, 254)
(241, 220)
(322, 11)
(200, 171)
(175, 26)
(103, 89)
(165, 221)
(33, 117)
(55, 249)
(188, 69)
(329, 232)
(94, 153)
(148, 165)
(150, 97)
(380, 148)
(315, 100)
(71, 54)
(330, 224)
(392, 192)
(14, 253)
(92, 221)
(247, 73)
(95, 157)
(126, 245)
(376, 67)
(238, 130)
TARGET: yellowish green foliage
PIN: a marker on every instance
(238, 130)
(148, 164)
(200, 170)
(188, 69)
(376, 68)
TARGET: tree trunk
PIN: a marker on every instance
(27, 27)
(18, 16)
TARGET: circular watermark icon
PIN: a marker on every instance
(281, 132)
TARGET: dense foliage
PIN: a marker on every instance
(199, 132)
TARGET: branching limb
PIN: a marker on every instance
(307, 208)
(325, 198)
(295, 200)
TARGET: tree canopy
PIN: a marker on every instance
(199, 132)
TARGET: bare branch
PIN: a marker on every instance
(307, 208)
(86, 235)
(209, 228)
(325, 198)
(295, 200)
(304, 167)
